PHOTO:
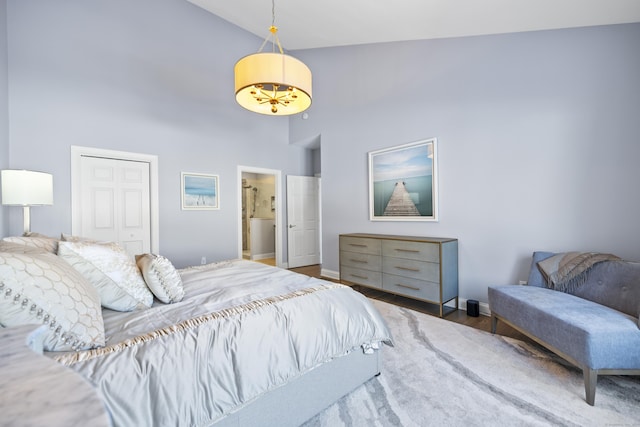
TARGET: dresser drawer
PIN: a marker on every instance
(411, 250)
(361, 277)
(363, 261)
(413, 288)
(360, 245)
(410, 268)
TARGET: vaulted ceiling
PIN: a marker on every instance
(305, 24)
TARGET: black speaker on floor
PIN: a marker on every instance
(473, 308)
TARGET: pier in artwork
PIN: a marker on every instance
(400, 202)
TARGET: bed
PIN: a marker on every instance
(242, 343)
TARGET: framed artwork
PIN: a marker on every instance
(403, 182)
(200, 191)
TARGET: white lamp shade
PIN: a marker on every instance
(26, 188)
(269, 69)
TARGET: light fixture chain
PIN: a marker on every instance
(273, 13)
(273, 25)
(264, 43)
(273, 32)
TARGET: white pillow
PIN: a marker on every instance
(19, 248)
(49, 244)
(71, 238)
(161, 277)
(43, 289)
(111, 270)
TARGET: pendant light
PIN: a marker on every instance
(271, 82)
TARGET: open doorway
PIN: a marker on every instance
(259, 210)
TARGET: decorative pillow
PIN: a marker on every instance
(18, 248)
(71, 238)
(43, 289)
(49, 244)
(161, 277)
(111, 270)
(35, 234)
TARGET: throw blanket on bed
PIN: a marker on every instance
(566, 271)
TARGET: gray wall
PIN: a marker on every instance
(538, 139)
(145, 76)
(538, 132)
(4, 113)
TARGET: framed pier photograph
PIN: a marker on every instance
(200, 191)
(403, 182)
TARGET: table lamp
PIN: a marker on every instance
(26, 188)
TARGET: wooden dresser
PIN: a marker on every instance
(423, 268)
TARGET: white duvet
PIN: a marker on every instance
(242, 329)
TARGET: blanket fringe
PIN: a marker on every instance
(68, 359)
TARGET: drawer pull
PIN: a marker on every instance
(400, 285)
(359, 260)
(413, 251)
(360, 277)
(407, 268)
(358, 245)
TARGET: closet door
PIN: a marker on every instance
(114, 202)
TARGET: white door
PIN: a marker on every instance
(114, 199)
(303, 220)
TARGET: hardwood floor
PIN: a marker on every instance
(459, 316)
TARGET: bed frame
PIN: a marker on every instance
(302, 398)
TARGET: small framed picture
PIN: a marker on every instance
(403, 182)
(200, 191)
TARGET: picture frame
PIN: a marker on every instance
(200, 191)
(403, 182)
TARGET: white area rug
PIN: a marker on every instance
(445, 374)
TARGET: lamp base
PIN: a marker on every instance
(27, 219)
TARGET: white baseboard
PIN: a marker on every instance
(263, 256)
(331, 274)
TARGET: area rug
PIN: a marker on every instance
(441, 373)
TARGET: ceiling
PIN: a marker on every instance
(305, 24)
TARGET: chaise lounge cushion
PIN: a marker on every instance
(594, 335)
(615, 284)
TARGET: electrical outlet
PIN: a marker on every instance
(522, 282)
(203, 260)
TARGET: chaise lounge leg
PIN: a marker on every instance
(590, 381)
(494, 324)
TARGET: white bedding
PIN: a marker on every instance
(242, 329)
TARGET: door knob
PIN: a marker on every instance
(291, 225)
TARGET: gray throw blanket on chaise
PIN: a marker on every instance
(566, 271)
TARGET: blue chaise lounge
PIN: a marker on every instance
(593, 323)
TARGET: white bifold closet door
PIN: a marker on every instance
(115, 203)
